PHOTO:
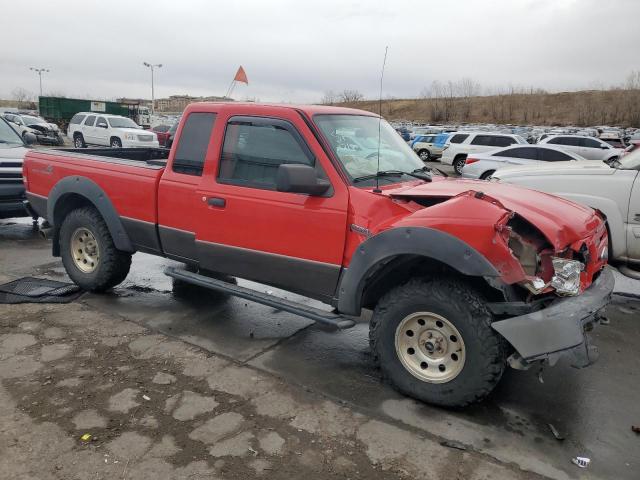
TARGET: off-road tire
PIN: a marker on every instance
(485, 350)
(78, 141)
(458, 163)
(486, 175)
(113, 265)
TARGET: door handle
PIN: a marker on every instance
(217, 202)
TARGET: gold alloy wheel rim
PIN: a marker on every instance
(85, 250)
(430, 347)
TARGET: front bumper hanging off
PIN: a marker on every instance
(560, 328)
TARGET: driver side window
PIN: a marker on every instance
(254, 149)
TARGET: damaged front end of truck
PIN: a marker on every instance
(553, 278)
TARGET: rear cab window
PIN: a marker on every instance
(193, 143)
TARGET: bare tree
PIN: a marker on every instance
(329, 98)
(350, 96)
(23, 98)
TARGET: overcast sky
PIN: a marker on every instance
(296, 50)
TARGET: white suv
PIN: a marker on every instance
(461, 144)
(90, 128)
(587, 147)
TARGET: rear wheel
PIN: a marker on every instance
(424, 155)
(78, 141)
(458, 163)
(116, 142)
(434, 349)
(88, 253)
(487, 175)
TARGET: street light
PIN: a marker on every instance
(152, 66)
(39, 71)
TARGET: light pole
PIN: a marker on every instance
(39, 71)
(151, 66)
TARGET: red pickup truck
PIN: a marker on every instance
(463, 277)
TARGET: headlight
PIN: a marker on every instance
(566, 279)
(130, 136)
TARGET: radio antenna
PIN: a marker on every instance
(384, 62)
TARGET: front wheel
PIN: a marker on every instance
(116, 143)
(88, 253)
(458, 163)
(487, 175)
(434, 342)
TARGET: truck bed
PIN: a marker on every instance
(128, 177)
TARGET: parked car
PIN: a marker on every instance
(611, 189)
(463, 277)
(172, 133)
(462, 144)
(12, 152)
(587, 147)
(428, 147)
(404, 133)
(46, 133)
(482, 165)
(633, 145)
(162, 132)
(87, 128)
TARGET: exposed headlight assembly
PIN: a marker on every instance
(566, 279)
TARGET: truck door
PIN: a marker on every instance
(633, 221)
(179, 202)
(248, 229)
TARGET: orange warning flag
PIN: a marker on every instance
(241, 76)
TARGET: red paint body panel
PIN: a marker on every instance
(131, 189)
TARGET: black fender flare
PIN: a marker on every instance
(90, 190)
(423, 241)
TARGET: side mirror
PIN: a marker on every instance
(604, 147)
(102, 125)
(296, 178)
(29, 138)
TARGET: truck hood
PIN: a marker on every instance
(583, 167)
(561, 221)
(11, 153)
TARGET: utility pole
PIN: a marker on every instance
(152, 66)
(39, 71)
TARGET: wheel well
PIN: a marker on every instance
(77, 134)
(115, 137)
(460, 155)
(402, 268)
(65, 204)
(486, 174)
(423, 150)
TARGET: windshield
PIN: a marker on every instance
(122, 122)
(354, 140)
(630, 161)
(29, 120)
(8, 136)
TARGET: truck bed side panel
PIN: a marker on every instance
(129, 186)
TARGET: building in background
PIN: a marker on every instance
(177, 103)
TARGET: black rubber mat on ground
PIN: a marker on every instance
(38, 290)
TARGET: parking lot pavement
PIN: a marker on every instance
(236, 390)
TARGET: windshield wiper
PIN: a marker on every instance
(430, 169)
(418, 173)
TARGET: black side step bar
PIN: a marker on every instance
(327, 318)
